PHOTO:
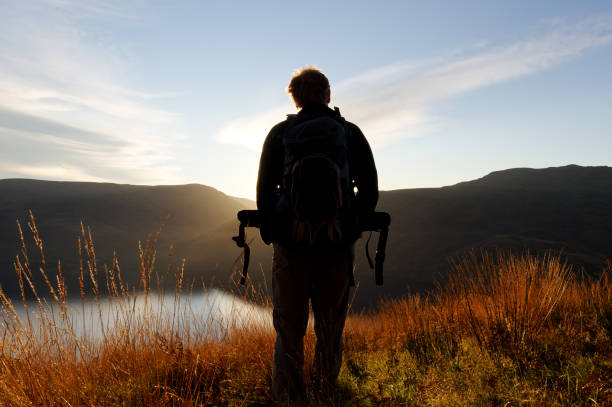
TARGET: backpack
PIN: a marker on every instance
(316, 184)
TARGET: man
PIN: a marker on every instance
(311, 228)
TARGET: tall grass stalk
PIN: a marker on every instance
(507, 299)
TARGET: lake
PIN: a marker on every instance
(211, 314)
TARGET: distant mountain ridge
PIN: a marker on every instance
(119, 216)
(565, 210)
(569, 176)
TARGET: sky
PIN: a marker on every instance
(175, 92)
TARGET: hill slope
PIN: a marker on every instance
(119, 216)
(565, 210)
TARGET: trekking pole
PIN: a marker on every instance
(379, 259)
(383, 220)
(247, 218)
(378, 221)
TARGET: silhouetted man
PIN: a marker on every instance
(316, 176)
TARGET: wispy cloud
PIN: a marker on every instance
(392, 103)
(61, 172)
(65, 93)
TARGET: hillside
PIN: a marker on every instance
(565, 210)
(119, 217)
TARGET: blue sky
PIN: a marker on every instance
(153, 92)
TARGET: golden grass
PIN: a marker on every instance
(504, 330)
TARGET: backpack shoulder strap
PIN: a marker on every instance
(291, 121)
(294, 119)
(338, 117)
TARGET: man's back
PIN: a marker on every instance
(272, 188)
(293, 198)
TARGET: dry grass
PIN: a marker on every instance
(131, 353)
(504, 330)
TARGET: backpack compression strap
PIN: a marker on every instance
(377, 221)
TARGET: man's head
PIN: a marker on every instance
(308, 86)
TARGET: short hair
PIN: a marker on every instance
(308, 85)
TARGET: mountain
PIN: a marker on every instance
(563, 210)
(119, 216)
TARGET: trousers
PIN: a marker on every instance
(323, 277)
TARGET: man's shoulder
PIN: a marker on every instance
(278, 129)
(282, 125)
(353, 129)
(351, 125)
(278, 126)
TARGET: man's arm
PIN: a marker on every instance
(270, 176)
(363, 171)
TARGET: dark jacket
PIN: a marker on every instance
(361, 166)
